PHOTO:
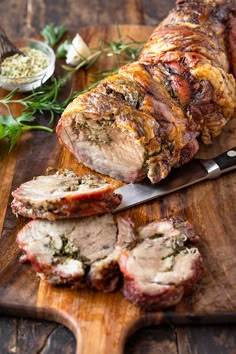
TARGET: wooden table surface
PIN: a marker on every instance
(22, 18)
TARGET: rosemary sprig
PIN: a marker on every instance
(102, 74)
(42, 100)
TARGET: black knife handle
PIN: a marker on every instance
(227, 160)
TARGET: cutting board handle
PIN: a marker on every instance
(100, 322)
(101, 338)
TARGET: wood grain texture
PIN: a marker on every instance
(25, 18)
(28, 17)
(109, 318)
(153, 340)
(28, 336)
(183, 340)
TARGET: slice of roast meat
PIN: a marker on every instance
(102, 271)
(147, 118)
(76, 251)
(157, 264)
(162, 266)
(64, 194)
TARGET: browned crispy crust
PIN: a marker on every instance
(179, 90)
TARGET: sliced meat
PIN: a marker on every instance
(157, 264)
(147, 118)
(64, 194)
(102, 272)
(163, 266)
(76, 251)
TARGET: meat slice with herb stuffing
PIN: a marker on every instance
(157, 264)
(64, 194)
(162, 266)
(76, 251)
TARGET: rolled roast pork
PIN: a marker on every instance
(148, 118)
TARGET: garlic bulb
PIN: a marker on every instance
(76, 51)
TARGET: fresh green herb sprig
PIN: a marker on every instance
(52, 33)
(11, 128)
(43, 100)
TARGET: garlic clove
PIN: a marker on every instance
(77, 50)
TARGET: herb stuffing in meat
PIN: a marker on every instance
(76, 251)
(155, 266)
(64, 194)
(162, 266)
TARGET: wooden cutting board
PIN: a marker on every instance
(100, 321)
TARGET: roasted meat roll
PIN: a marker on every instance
(147, 118)
(64, 194)
(162, 266)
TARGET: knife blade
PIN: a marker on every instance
(195, 171)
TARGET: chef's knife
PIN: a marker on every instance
(192, 172)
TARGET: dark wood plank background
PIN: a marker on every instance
(26, 18)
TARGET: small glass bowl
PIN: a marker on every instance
(30, 83)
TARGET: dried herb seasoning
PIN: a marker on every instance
(19, 66)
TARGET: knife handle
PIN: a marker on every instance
(220, 164)
(227, 160)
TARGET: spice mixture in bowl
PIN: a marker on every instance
(27, 72)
